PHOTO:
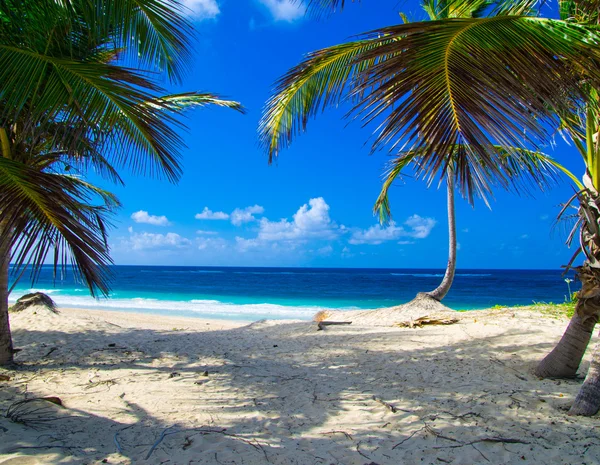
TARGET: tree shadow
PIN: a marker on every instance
(290, 394)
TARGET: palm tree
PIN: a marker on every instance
(459, 86)
(69, 104)
(420, 104)
(564, 360)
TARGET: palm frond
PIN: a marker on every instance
(434, 86)
(382, 205)
(188, 100)
(109, 96)
(46, 213)
(319, 7)
(320, 81)
(475, 84)
(156, 33)
(524, 168)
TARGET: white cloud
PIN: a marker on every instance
(208, 214)
(202, 232)
(142, 216)
(240, 216)
(201, 9)
(285, 10)
(415, 227)
(311, 221)
(211, 243)
(419, 227)
(327, 250)
(146, 241)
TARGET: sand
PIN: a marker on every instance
(158, 390)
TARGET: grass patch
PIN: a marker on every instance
(562, 310)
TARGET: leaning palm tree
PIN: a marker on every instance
(69, 105)
(417, 80)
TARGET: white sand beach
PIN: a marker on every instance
(161, 390)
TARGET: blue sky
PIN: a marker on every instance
(313, 207)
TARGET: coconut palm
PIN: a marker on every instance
(70, 104)
(459, 86)
(564, 360)
(424, 86)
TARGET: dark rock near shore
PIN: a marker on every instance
(34, 299)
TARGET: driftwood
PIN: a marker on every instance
(321, 324)
(442, 319)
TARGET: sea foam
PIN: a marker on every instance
(195, 307)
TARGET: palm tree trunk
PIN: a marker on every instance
(440, 292)
(6, 346)
(564, 360)
(587, 402)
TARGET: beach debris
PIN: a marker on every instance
(387, 405)
(52, 349)
(106, 382)
(204, 373)
(35, 299)
(174, 374)
(203, 431)
(321, 325)
(441, 319)
(321, 315)
(4, 378)
(34, 412)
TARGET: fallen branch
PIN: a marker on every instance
(10, 451)
(348, 435)
(162, 436)
(256, 445)
(387, 405)
(107, 382)
(427, 320)
(492, 439)
(116, 438)
(410, 437)
(322, 324)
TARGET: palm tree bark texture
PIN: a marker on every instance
(440, 292)
(565, 358)
(6, 346)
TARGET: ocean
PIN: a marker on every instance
(294, 293)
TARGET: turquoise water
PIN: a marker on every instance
(294, 293)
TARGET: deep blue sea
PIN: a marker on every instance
(297, 293)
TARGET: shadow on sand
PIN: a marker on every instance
(287, 394)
